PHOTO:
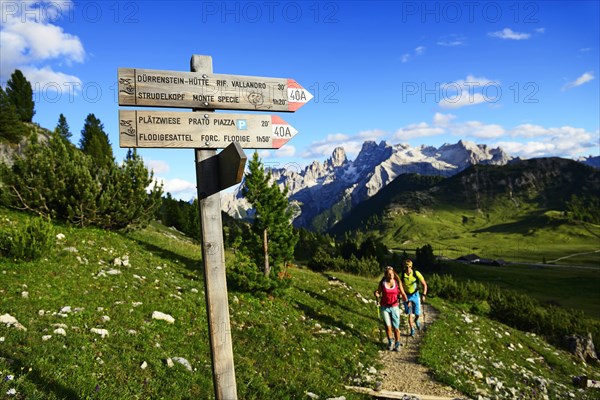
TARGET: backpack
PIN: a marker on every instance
(419, 285)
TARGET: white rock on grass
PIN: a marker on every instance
(60, 331)
(113, 272)
(102, 332)
(144, 365)
(9, 320)
(183, 362)
(163, 317)
(46, 337)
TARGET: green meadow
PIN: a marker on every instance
(86, 330)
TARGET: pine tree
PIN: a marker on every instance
(20, 93)
(273, 238)
(11, 127)
(57, 180)
(62, 128)
(125, 201)
(53, 180)
(425, 257)
(94, 142)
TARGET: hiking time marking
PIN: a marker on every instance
(160, 88)
(172, 129)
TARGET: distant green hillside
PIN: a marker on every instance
(86, 330)
(514, 212)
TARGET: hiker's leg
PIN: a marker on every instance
(395, 314)
(387, 319)
(417, 310)
(407, 311)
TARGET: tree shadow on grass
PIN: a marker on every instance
(328, 321)
(528, 225)
(43, 384)
(189, 263)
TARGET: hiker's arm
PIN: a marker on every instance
(401, 289)
(424, 286)
(377, 292)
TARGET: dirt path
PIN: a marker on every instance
(403, 373)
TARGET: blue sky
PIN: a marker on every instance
(519, 75)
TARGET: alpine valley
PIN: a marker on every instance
(457, 193)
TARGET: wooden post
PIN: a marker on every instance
(213, 258)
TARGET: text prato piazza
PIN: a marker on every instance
(150, 119)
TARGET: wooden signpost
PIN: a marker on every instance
(155, 88)
(202, 130)
(206, 131)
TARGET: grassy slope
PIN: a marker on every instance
(477, 212)
(317, 338)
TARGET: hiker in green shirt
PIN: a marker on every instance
(410, 281)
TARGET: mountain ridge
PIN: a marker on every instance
(324, 192)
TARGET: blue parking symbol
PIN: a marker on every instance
(241, 124)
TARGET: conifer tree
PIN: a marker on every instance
(94, 142)
(20, 93)
(125, 201)
(57, 180)
(273, 238)
(11, 127)
(62, 128)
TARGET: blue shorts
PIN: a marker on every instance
(391, 316)
(414, 298)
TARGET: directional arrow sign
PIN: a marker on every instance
(196, 130)
(154, 88)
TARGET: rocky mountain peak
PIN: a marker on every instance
(339, 183)
(338, 158)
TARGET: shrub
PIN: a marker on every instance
(28, 242)
(244, 275)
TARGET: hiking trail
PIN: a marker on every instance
(402, 371)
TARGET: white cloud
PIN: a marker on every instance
(158, 166)
(372, 134)
(336, 137)
(452, 40)
(442, 120)
(285, 151)
(29, 40)
(541, 30)
(462, 99)
(586, 77)
(406, 57)
(414, 131)
(564, 141)
(508, 33)
(324, 148)
(178, 188)
(477, 129)
(471, 82)
(46, 79)
(525, 140)
(468, 92)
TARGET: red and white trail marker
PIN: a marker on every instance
(159, 88)
(197, 130)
